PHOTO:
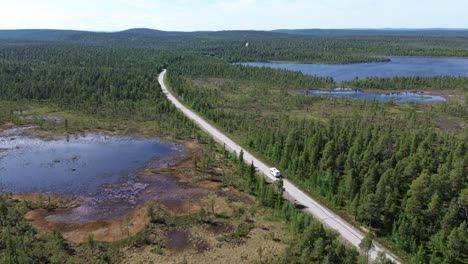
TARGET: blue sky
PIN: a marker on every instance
(185, 15)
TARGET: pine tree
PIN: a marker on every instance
(367, 244)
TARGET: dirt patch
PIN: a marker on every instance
(53, 119)
(212, 250)
(452, 96)
(201, 246)
(193, 146)
(106, 231)
(175, 196)
(211, 185)
(177, 240)
(78, 222)
(247, 200)
(220, 228)
(6, 126)
(182, 169)
(447, 124)
(39, 198)
(10, 131)
(188, 208)
(215, 81)
(218, 81)
(235, 195)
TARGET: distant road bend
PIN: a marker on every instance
(321, 213)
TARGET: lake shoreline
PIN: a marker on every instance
(385, 96)
(158, 182)
(394, 67)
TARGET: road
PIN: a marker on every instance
(321, 213)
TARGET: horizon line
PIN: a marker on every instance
(221, 30)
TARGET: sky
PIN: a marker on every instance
(185, 15)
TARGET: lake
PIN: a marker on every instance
(79, 165)
(397, 66)
(398, 97)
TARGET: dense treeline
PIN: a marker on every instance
(236, 88)
(331, 49)
(311, 243)
(80, 87)
(281, 78)
(262, 46)
(111, 83)
(115, 87)
(20, 243)
(394, 173)
(412, 83)
(410, 184)
(118, 84)
(83, 55)
(375, 32)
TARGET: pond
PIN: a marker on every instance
(398, 97)
(74, 165)
(397, 66)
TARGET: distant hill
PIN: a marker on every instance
(146, 36)
(38, 34)
(367, 32)
(132, 35)
(144, 31)
(56, 35)
(148, 32)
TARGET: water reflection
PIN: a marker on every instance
(399, 97)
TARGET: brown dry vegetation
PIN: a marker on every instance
(209, 244)
(105, 231)
(111, 230)
(41, 199)
(212, 240)
(217, 252)
(236, 97)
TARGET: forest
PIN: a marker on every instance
(310, 242)
(335, 47)
(388, 167)
(395, 169)
(116, 89)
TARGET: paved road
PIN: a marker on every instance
(319, 212)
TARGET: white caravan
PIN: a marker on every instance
(275, 172)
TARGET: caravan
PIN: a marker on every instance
(275, 172)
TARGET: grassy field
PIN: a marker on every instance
(252, 96)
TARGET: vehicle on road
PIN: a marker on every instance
(321, 213)
(275, 172)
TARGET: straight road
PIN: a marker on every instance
(321, 213)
